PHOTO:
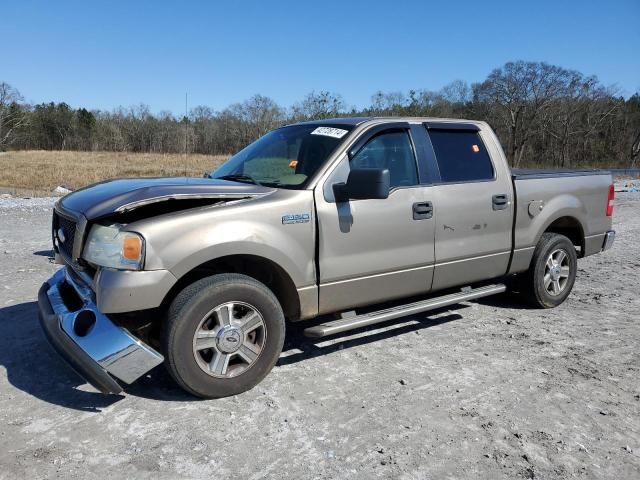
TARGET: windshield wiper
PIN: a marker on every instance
(240, 177)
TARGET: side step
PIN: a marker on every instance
(359, 321)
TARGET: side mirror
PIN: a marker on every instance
(364, 184)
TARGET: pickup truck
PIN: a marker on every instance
(356, 221)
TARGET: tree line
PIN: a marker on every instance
(544, 115)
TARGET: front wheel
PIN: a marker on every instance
(552, 273)
(223, 335)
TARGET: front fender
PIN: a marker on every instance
(181, 242)
(301, 272)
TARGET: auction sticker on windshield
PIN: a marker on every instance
(330, 132)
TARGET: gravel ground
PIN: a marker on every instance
(488, 389)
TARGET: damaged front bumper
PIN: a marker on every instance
(88, 340)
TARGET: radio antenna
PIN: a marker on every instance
(186, 126)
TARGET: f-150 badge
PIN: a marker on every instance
(296, 218)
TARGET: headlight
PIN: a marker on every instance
(112, 248)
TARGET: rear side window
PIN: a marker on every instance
(461, 156)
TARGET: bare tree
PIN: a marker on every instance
(633, 105)
(323, 104)
(578, 111)
(517, 94)
(457, 92)
(12, 114)
(391, 104)
(246, 121)
(263, 113)
(635, 150)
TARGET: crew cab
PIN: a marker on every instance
(352, 221)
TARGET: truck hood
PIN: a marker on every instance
(116, 196)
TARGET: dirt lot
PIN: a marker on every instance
(487, 390)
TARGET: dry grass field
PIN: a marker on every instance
(39, 172)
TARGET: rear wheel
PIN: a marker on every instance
(223, 334)
(552, 273)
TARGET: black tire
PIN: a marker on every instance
(185, 315)
(533, 283)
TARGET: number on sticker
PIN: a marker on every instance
(330, 132)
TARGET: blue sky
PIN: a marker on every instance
(102, 54)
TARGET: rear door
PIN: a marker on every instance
(371, 251)
(473, 204)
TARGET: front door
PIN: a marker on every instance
(372, 251)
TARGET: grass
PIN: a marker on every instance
(39, 172)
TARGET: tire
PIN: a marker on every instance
(212, 317)
(552, 273)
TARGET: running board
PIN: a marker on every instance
(359, 321)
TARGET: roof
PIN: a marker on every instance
(352, 121)
(355, 121)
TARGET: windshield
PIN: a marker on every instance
(286, 157)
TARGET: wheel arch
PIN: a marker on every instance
(570, 227)
(259, 268)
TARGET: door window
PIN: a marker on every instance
(461, 156)
(392, 150)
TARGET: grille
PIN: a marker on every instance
(69, 229)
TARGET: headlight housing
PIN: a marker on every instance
(109, 246)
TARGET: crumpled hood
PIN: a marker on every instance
(105, 198)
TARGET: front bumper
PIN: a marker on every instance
(88, 340)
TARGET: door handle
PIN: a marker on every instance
(422, 210)
(500, 201)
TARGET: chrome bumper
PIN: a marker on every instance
(609, 238)
(91, 343)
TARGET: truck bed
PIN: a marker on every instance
(545, 197)
(533, 173)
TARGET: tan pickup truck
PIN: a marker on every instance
(331, 219)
